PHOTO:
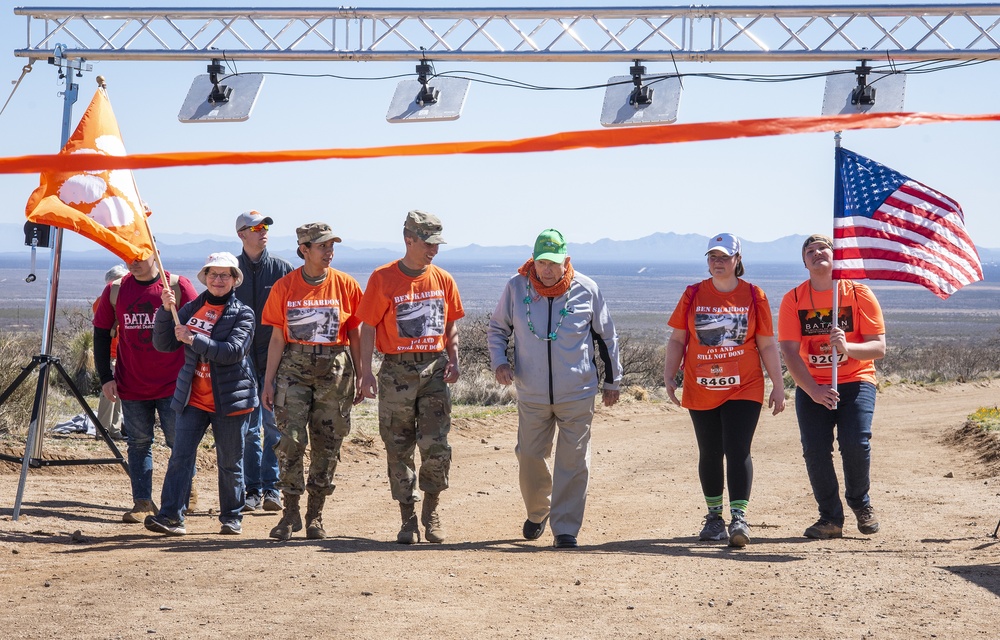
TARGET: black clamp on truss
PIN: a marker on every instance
(220, 92)
(864, 93)
(641, 96)
(427, 94)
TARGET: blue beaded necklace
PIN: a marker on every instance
(562, 314)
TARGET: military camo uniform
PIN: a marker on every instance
(312, 407)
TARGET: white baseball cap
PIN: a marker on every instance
(727, 243)
(221, 259)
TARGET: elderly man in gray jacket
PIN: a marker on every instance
(559, 323)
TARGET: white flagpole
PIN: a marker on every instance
(835, 312)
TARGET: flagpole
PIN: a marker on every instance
(835, 312)
(145, 220)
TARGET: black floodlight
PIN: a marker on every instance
(867, 91)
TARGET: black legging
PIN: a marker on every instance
(726, 430)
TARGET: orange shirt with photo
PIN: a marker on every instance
(314, 314)
(805, 317)
(410, 313)
(721, 361)
(203, 321)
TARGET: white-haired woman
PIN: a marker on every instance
(215, 386)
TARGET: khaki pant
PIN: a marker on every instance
(559, 494)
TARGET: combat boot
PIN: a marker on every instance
(291, 519)
(409, 533)
(314, 517)
(433, 531)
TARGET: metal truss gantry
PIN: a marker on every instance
(904, 32)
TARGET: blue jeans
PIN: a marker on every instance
(260, 464)
(229, 433)
(138, 417)
(853, 420)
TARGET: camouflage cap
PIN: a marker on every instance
(427, 226)
(315, 232)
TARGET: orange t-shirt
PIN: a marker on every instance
(805, 317)
(314, 314)
(410, 313)
(203, 321)
(721, 361)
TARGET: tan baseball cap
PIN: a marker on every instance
(427, 226)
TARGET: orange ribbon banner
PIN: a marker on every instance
(594, 139)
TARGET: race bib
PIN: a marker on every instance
(824, 359)
(718, 375)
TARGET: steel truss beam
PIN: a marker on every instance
(697, 33)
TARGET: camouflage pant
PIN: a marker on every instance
(414, 411)
(312, 404)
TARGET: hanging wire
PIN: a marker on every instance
(25, 70)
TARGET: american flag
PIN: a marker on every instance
(889, 227)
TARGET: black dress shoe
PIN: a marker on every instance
(565, 541)
(532, 530)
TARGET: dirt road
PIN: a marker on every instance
(932, 571)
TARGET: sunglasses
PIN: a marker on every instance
(255, 228)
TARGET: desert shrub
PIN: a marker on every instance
(986, 418)
(479, 387)
(16, 352)
(960, 360)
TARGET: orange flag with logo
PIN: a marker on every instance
(102, 205)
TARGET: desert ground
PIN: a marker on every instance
(72, 569)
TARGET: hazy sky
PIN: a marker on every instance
(758, 188)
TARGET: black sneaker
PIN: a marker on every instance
(162, 524)
(272, 500)
(532, 530)
(253, 502)
(565, 541)
(231, 528)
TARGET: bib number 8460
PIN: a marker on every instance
(719, 381)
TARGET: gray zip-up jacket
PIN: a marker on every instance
(258, 277)
(563, 369)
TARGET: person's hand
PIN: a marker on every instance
(183, 334)
(838, 340)
(451, 372)
(267, 395)
(776, 401)
(504, 374)
(369, 386)
(167, 296)
(359, 395)
(110, 390)
(671, 384)
(610, 397)
(825, 395)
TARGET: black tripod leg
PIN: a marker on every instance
(101, 429)
(25, 372)
(29, 446)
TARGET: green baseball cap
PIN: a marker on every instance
(550, 245)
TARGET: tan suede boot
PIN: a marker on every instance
(291, 519)
(433, 531)
(409, 533)
(314, 517)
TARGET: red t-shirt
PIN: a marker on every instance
(410, 313)
(805, 317)
(721, 361)
(142, 372)
(314, 314)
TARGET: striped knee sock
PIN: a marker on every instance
(739, 507)
(714, 504)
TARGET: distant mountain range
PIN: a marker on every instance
(656, 248)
